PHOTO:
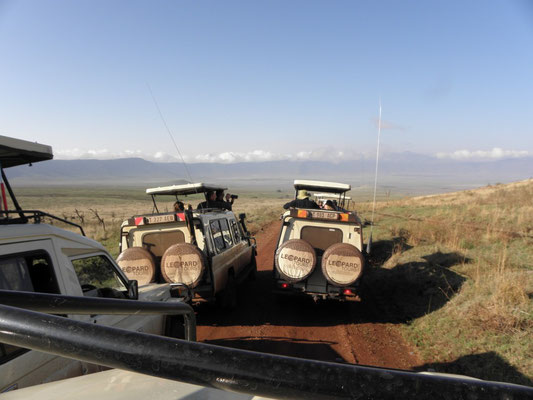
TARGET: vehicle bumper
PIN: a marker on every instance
(326, 291)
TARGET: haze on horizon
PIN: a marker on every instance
(258, 81)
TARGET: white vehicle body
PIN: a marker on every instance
(24, 249)
(116, 384)
(41, 258)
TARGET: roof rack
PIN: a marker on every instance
(321, 186)
(36, 215)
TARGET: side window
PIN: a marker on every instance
(236, 231)
(217, 235)
(29, 272)
(98, 277)
(228, 241)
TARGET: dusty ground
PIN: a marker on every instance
(360, 333)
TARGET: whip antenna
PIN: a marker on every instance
(369, 244)
(169, 132)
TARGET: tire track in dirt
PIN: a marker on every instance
(329, 331)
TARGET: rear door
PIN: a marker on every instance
(242, 246)
(225, 253)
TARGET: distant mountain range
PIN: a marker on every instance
(408, 170)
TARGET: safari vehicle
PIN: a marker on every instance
(320, 252)
(202, 253)
(63, 267)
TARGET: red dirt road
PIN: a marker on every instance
(330, 331)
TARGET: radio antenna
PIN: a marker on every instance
(169, 132)
(369, 244)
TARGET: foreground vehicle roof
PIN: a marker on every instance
(117, 384)
(18, 232)
(185, 189)
(15, 152)
(321, 186)
(233, 370)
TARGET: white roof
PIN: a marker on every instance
(15, 152)
(321, 186)
(329, 196)
(188, 188)
(12, 233)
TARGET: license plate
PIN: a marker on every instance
(157, 219)
(323, 215)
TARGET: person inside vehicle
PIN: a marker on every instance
(179, 206)
(302, 201)
(210, 198)
(330, 206)
(225, 204)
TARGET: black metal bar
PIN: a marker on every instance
(60, 304)
(155, 204)
(234, 370)
(11, 193)
(37, 214)
(190, 225)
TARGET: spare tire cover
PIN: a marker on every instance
(137, 263)
(182, 263)
(295, 260)
(342, 264)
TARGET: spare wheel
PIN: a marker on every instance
(295, 260)
(183, 263)
(342, 264)
(137, 263)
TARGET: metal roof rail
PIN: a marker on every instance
(232, 369)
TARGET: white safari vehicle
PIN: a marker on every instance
(202, 253)
(319, 251)
(38, 258)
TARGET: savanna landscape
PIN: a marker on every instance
(448, 286)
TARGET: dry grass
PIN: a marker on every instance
(484, 307)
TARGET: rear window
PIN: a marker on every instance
(158, 242)
(321, 238)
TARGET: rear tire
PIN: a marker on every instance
(227, 299)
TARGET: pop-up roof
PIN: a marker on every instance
(321, 186)
(182, 190)
(15, 152)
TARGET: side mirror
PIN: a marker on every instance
(242, 217)
(133, 290)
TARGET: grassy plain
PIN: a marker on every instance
(456, 269)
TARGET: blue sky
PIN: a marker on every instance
(251, 80)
